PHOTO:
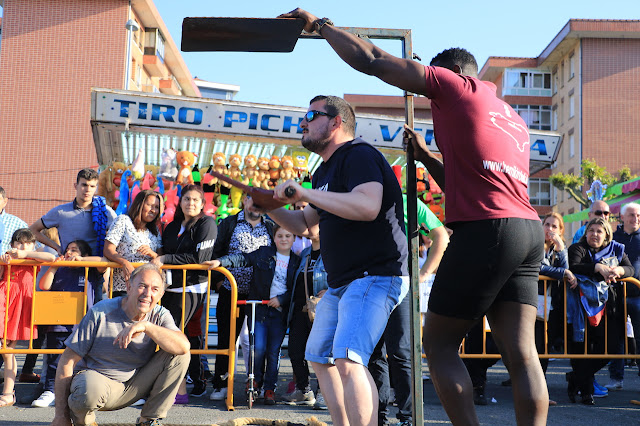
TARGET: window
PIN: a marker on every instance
(540, 192)
(554, 124)
(536, 116)
(562, 74)
(526, 82)
(555, 83)
(572, 66)
(572, 145)
(572, 108)
(561, 111)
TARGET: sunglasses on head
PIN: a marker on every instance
(311, 115)
(601, 212)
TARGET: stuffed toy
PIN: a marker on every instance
(235, 161)
(274, 171)
(219, 165)
(168, 170)
(300, 162)
(186, 160)
(249, 169)
(262, 176)
(106, 188)
(137, 167)
(287, 171)
(149, 181)
(118, 169)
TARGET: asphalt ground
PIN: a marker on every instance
(614, 409)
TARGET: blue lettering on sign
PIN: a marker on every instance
(288, 123)
(264, 123)
(142, 111)
(124, 107)
(386, 136)
(165, 110)
(183, 114)
(253, 121)
(539, 146)
(231, 117)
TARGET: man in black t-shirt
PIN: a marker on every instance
(357, 201)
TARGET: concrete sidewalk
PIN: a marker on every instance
(614, 409)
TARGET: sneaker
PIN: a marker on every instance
(28, 378)
(47, 399)
(599, 391)
(300, 397)
(181, 399)
(269, 397)
(199, 390)
(478, 396)
(139, 402)
(320, 404)
(219, 394)
(152, 422)
(614, 385)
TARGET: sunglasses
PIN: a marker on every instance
(601, 212)
(311, 115)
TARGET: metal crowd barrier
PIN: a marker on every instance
(68, 308)
(566, 354)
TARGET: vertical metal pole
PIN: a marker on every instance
(412, 236)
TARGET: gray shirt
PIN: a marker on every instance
(94, 336)
(74, 223)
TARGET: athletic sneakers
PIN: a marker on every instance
(269, 397)
(139, 402)
(320, 404)
(614, 385)
(599, 391)
(219, 394)
(152, 422)
(300, 397)
(199, 389)
(47, 399)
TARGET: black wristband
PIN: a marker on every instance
(319, 23)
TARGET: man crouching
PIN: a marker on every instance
(111, 359)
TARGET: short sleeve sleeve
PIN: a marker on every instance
(360, 167)
(81, 339)
(51, 219)
(117, 230)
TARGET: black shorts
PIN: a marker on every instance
(488, 260)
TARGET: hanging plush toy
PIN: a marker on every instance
(262, 176)
(274, 171)
(287, 171)
(137, 167)
(124, 193)
(106, 188)
(168, 170)
(186, 160)
(249, 170)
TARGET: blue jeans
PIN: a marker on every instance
(55, 340)
(269, 334)
(391, 362)
(350, 319)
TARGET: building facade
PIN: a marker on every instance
(583, 85)
(53, 53)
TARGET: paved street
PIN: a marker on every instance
(614, 409)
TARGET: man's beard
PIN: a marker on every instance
(317, 145)
(252, 215)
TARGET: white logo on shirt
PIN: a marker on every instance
(520, 134)
(324, 187)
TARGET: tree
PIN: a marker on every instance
(590, 171)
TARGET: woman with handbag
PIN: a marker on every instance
(308, 287)
(597, 261)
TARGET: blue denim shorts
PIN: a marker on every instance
(350, 319)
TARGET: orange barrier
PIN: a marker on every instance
(68, 308)
(566, 354)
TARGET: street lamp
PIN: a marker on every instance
(131, 26)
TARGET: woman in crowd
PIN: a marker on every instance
(312, 274)
(188, 239)
(134, 237)
(598, 262)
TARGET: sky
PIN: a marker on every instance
(497, 28)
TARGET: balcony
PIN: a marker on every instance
(155, 66)
(170, 86)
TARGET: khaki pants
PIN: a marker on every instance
(157, 382)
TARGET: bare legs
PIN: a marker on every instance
(512, 325)
(10, 371)
(349, 392)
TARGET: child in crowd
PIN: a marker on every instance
(67, 279)
(20, 279)
(274, 271)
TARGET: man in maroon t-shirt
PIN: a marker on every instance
(491, 265)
